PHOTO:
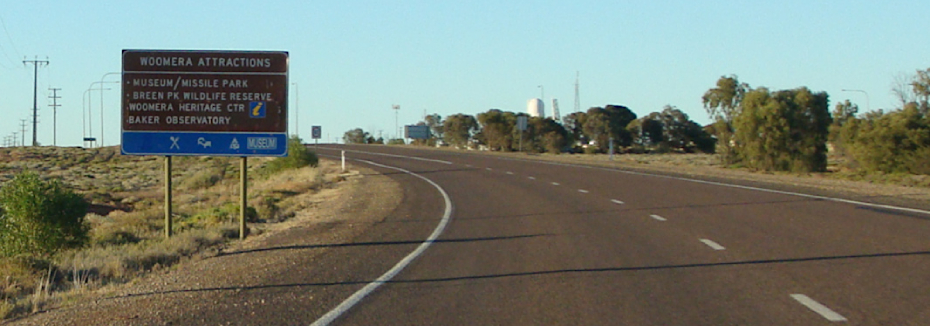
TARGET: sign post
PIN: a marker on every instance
(521, 126)
(204, 103)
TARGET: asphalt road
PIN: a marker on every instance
(530, 243)
(541, 244)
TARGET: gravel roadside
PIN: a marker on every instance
(179, 295)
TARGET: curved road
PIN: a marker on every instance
(544, 244)
(530, 243)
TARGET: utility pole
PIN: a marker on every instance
(54, 106)
(577, 99)
(22, 124)
(35, 96)
(14, 138)
(101, 101)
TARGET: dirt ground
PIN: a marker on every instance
(334, 215)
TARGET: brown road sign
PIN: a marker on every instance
(167, 93)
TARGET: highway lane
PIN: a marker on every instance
(715, 255)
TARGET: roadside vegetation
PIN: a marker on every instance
(76, 221)
(754, 128)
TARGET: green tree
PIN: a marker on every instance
(842, 113)
(458, 129)
(574, 124)
(723, 105)
(602, 124)
(40, 217)
(648, 130)
(546, 135)
(498, 130)
(434, 121)
(597, 128)
(893, 142)
(921, 87)
(355, 136)
(619, 117)
(784, 131)
(679, 132)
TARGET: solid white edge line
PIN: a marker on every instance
(616, 201)
(820, 309)
(401, 156)
(712, 244)
(659, 218)
(847, 201)
(356, 297)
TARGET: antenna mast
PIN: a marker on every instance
(577, 99)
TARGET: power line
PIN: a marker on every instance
(35, 99)
(3, 24)
(55, 106)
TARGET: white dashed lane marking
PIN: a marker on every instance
(712, 244)
(531, 178)
(555, 183)
(658, 218)
(510, 173)
(489, 169)
(616, 202)
(818, 308)
(582, 191)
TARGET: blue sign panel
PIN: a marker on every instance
(203, 143)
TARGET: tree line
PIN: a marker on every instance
(758, 128)
(591, 131)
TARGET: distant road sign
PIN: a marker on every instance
(209, 103)
(416, 132)
(521, 123)
(316, 132)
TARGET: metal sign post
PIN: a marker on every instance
(168, 224)
(521, 126)
(204, 103)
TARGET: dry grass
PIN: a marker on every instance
(127, 216)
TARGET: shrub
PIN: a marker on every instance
(219, 215)
(205, 178)
(298, 156)
(40, 217)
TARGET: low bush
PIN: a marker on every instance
(298, 156)
(40, 217)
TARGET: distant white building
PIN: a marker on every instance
(535, 108)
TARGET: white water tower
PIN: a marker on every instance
(535, 108)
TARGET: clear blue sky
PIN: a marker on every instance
(353, 59)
